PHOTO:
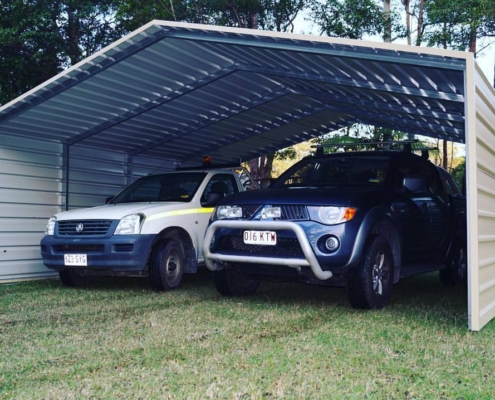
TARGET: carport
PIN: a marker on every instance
(170, 93)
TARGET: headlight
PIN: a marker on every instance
(332, 215)
(229, 212)
(130, 225)
(50, 227)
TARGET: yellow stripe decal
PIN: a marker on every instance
(180, 212)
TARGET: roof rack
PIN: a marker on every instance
(406, 146)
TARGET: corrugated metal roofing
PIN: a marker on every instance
(180, 91)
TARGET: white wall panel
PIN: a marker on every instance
(32, 189)
(146, 165)
(481, 160)
(30, 185)
(94, 175)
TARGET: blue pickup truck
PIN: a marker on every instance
(360, 220)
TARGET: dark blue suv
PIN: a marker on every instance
(361, 220)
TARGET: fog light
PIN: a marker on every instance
(332, 243)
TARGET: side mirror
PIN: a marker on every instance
(266, 183)
(212, 199)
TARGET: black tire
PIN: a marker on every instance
(234, 283)
(369, 285)
(74, 278)
(167, 266)
(456, 272)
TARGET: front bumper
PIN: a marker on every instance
(115, 253)
(310, 260)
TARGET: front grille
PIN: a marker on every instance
(285, 247)
(78, 248)
(249, 210)
(89, 227)
(289, 212)
(294, 212)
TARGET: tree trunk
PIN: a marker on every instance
(407, 4)
(419, 37)
(472, 41)
(387, 36)
(73, 36)
(261, 167)
(445, 159)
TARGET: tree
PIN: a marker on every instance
(30, 46)
(351, 19)
(276, 15)
(361, 136)
(39, 38)
(459, 24)
(86, 26)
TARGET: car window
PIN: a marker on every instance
(164, 187)
(448, 182)
(221, 183)
(341, 170)
(419, 168)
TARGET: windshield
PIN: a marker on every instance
(165, 187)
(338, 170)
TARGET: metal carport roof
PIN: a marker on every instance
(179, 91)
(175, 91)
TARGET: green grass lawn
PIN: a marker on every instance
(118, 339)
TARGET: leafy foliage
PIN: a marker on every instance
(458, 24)
(39, 38)
(30, 46)
(273, 15)
(350, 19)
(359, 137)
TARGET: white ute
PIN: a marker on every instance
(153, 228)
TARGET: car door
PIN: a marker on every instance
(422, 208)
(220, 185)
(435, 209)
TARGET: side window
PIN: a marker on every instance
(421, 173)
(300, 176)
(448, 182)
(221, 183)
(429, 171)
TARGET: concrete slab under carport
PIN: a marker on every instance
(170, 93)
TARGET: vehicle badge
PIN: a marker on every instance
(79, 228)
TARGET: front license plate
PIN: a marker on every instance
(76, 259)
(268, 238)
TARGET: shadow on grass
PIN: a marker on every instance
(113, 283)
(412, 298)
(416, 299)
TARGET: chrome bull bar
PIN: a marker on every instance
(310, 259)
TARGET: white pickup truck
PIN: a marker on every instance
(153, 228)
